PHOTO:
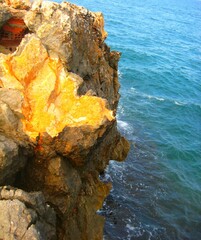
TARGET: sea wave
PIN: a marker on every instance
(159, 98)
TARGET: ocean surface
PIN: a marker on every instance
(157, 190)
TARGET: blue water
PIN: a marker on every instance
(157, 190)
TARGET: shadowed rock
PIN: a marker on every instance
(25, 215)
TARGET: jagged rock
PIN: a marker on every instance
(4, 14)
(10, 161)
(77, 36)
(25, 215)
(14, 144)
(58, 99)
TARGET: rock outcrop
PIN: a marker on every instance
(25, 215)
(58, 100)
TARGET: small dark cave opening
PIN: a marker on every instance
(11, 34)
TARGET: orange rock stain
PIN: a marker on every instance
(50, 93)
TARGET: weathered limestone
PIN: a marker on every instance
(58, 100)
(25, 216)
(14, 144)
(77, 36)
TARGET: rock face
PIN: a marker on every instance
(25, 216)
(58, 99)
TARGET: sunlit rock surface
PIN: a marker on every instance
(58, 99)
(50, 94)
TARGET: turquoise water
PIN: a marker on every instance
(157, 191)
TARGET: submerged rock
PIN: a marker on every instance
(58, 99)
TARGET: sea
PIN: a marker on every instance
(156, 192)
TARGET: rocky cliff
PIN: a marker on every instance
(58, 100)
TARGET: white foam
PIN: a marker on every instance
(133, 89)
(146, 95)
(130, 227)
(178, 103)
(122, 124)
(120, 74)
(154, 97)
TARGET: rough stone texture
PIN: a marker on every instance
(25, 216)
(18, 4)
(77, 36)
(58, 100)
(14, 144)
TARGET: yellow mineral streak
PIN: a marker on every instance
(50, 93)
